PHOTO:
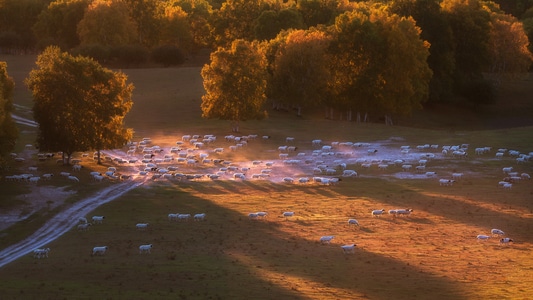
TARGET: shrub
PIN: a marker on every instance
(168, 55)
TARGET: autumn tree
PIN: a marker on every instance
(145, 15)
(438, 32)
(235, 84)
(509, 53)
(199, 15)
(175, 29)
(8, 128)
(107, 23)
(78, 104)
(379, 63)
(16, 20)
(470, 25)
(271, 22)
(300, 69)
(56, 25)
(235, 20)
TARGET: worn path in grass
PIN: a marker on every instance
(64, 221)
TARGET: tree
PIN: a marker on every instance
(315, 12)
(18, 16)
(300, 69)
(271, 22)
(379, 62)
(508, 45)
(199, 14)
(56, 25)
(8, 128)
(145, 14)
(235, 20)
(437, 31)
(78, 104)
(175, 29)
(470, 24)
(107, 23)
(235, 84)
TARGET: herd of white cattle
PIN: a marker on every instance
(201, 158)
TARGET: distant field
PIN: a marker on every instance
(431, 254)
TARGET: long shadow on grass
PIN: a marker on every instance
(285, 265)
(450, 203)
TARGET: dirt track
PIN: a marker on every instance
(64, 221)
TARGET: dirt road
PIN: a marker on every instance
(64, 221)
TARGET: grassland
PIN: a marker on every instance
(431, 254)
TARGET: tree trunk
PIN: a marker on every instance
(358, 117)
(388, 120)
(299, 111)
(99, 160)
(366, 117)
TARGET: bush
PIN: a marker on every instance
(127, 55)
(95, 51)
(168, 55)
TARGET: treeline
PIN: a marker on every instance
(379, 57)
(464, 35)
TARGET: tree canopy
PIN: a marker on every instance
(8, 128)
(235, 84)
(300, 69)
(78, 104)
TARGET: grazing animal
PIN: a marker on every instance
(404, 212)
(42, 252)
(184, 217)
(326, 239)
(199, 217)
(377, 212)
(482, 237)
(262, 214)
(173, 217)
(98, 219)
(446, 182)
(348, 248)
(48, 176)
(84, 226)
(506, 240)
(100, 250)
(145, 249)
(73, 178)
(288, 214)
(353, 222)
(141, 226)
(349, 173)
(253, 216)
(497, 232)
